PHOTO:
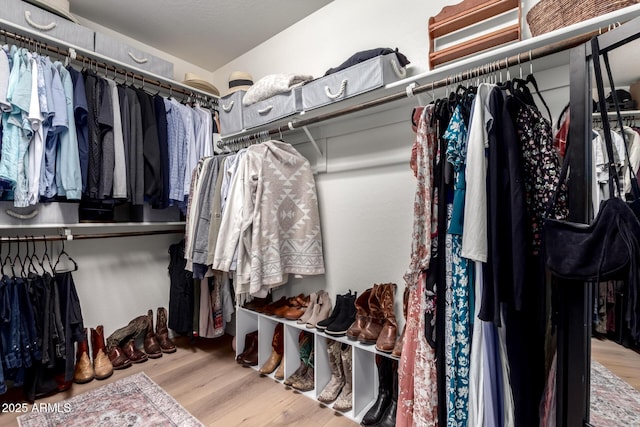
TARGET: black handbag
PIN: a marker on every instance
(609, 247)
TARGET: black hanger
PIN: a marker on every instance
(17, 258)
(63, 252)
(45, 257)
(34, 255)
(7, 258)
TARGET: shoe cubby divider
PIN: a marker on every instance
(266, 327)
(365, 380)
(246, 322)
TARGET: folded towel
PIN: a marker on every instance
(273, 84)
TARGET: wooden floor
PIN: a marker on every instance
(207, 381)
(622, 361)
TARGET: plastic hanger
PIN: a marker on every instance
(63, 252)
(6, 260)
(45, 257)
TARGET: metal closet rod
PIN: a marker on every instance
(412, 90)
(84, 59)
(52, 238)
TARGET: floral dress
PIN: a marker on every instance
(417, 381)
(457, 329)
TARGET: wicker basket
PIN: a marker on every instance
(549, 15)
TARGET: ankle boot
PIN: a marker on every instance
(101, 364)
(132, 352)
(277, 344)
(162, 332)
(250, 357)
(388, 419)
(336, 383)
(151, 345)
(387, 339)
(373, 416)
(248, 340)
(346, 316)
(344, 400)
(362, 315)
(321, 310)
(83, 372)
(371, 331)
(397, 349)
(118, 359)
(322, 325)
(313, 299)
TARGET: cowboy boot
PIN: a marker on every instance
(132, 352)
(397, 349)
(83, 372)
(344, 400)
(279, 375)
(121, 336)
(277, 344)
(374, 414)
(118, 359)
(387, 339)
(306, 381)
(388, 419)
(371, 331)
(151, 345)
(248, 341)
(101, 364)
(335, 384)
(305, 346)
(162, 332)
(362, 315)
(250, 357)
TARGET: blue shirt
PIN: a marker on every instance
(68, 170)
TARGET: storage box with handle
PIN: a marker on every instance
(231, 120)
(271, 109)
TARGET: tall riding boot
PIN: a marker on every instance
(384, 392)
(101, 364)
(369, 334)
(397, 349)
(84, 370)
(277, 344)
(388, 419)
(362, 315)
(336, 383)
(344, 402)
(151, 345)
(162, 332)
(387, 339)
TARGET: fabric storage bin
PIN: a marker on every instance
(274, 108)
(53, 213)
(41, 21)
(231, 113)
(363, 77)
(126, 54)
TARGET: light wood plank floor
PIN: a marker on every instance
(622, 361)
(207, 381)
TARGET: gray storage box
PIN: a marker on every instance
(124, 53)
(231, 113)
(363, 77)
(274, 108)
(41, 21)
(53, 213)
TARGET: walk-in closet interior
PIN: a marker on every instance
(330, 212)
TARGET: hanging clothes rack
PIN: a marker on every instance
(86, 59)
(414, 89)
(70, 236)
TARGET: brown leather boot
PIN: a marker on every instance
(101, 364)
(387, 339)
(397, 349)
(132, 352)
(369, 334)
(84, 370)
(277, 344)
(118, 359)
(162, 332)
(362, 315)
(151, 345)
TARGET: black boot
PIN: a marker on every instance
(385, 378)
(388, 419)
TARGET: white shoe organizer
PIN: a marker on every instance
(365, 371)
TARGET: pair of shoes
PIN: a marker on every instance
(258, 304)
(318, 309)
(303, 378)
(383, 411)
(158, 341)
(249, 356)
(277, 344)
(341, 317)
(375, 321)
(289, 308)
(397, 349)
(101, 368)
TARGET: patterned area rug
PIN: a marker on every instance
(134, 401)
(613, 401)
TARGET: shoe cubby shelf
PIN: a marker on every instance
(364, 370)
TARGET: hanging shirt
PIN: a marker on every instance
(151, 150)
(105, 122)
(35, 148)
(68, 170)
(136, 154)
(81, 115)
(5, 71)
(163, 143)
(119, 160)
(92, 86)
